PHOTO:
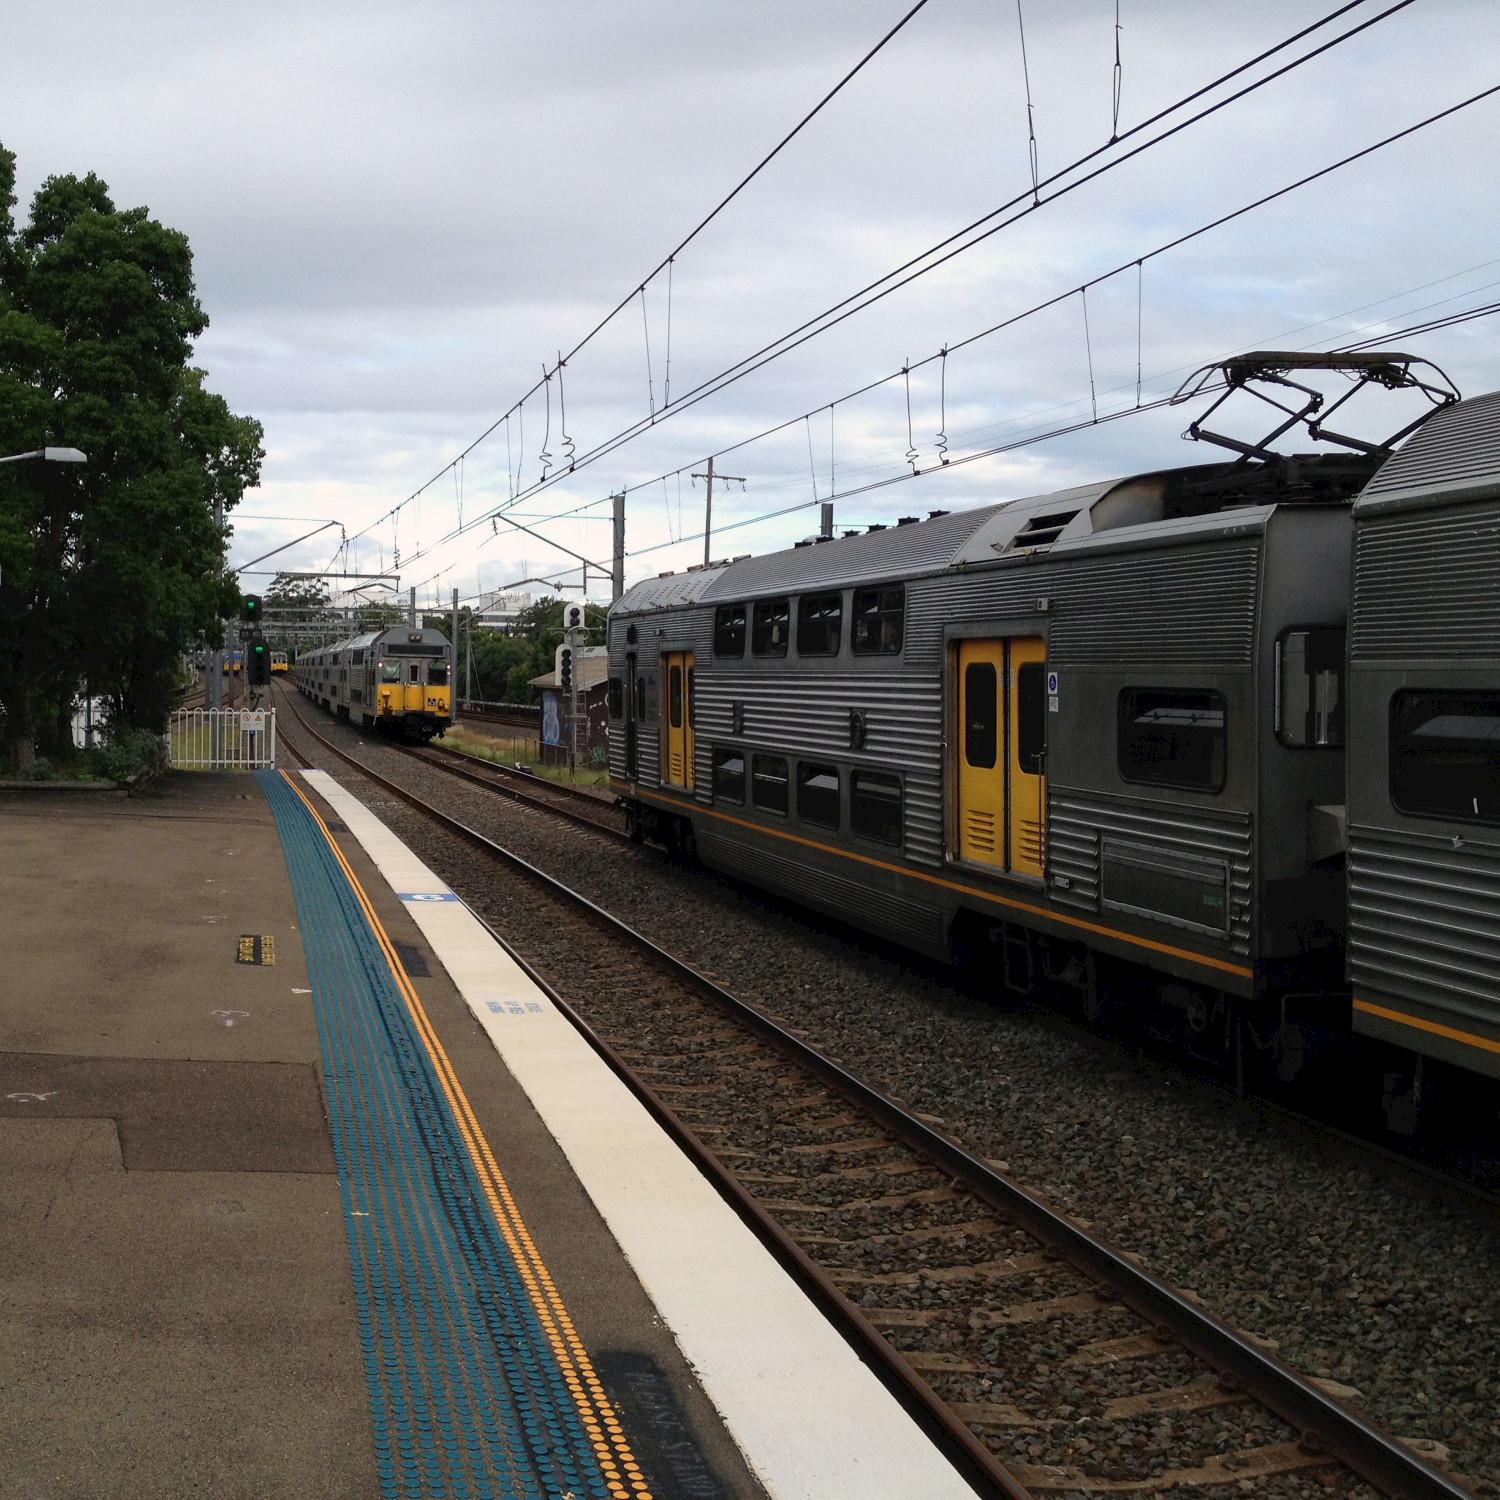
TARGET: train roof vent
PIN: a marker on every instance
(907, 520)
(936, 515)
(1040, 531)
(877, 526)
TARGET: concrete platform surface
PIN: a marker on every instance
(176, 1293)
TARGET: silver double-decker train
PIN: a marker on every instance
(1217, 746)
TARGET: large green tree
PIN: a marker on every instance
(112, 569)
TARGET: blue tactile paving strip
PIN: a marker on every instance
(466, 1397)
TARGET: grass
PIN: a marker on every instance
(525, 750)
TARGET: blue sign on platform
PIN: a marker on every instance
(425, 896)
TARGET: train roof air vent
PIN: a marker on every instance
(907, 520)
(1040, 531)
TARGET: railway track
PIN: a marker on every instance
(568, 803)
(1045, 1361)
(571, 803)
(518, 718)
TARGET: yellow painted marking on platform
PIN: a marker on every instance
(589, 1396)
(256, 950)
(1400, 1017)
(967, 890)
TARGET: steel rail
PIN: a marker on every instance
(518, 774)
(419, 752)
(1325, 1424)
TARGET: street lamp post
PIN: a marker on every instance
(51, 456)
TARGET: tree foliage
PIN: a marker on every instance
(504, 664)
(112, 569)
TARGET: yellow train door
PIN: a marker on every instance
(1027, 733)
(678, 667)
(981, 729)
(1001, 811)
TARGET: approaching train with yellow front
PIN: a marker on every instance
(396, 682)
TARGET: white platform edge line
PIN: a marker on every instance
(810, 1418)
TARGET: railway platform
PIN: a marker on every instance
(311, 1192)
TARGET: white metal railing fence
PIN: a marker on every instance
(222, 739)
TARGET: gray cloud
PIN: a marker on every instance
(398, 213)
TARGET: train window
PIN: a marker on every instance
(729, 630)
(390, 671)
(769, 782)
(878, 618)
(1310, 687)
(674, 696)
(772, 625)
(1031, 717)
(414, 672)
(818, 795)
(875, 806)
(819, 624)
(692, 699)
(981, 714)
(1445, 755)
(729, 774)
(616, 698)
(1173, 737)
(437, 673)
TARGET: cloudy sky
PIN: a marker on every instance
(401, 214)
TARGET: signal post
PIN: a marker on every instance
(570, 657)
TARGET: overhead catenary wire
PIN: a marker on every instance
(1030, 112)
(796, 337)
(827, 320)
(1066, 429)
(1082, 287)
(701, 225)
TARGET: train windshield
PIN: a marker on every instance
(390, 671)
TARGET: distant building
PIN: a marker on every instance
(591, 672)
(501, 611)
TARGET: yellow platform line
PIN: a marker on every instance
(617, 1462)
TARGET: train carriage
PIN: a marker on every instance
(1073, 730)
(1424, 763)
(396, 682)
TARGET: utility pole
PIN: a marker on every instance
(617, 574)
(215, 683)
(411, 614)
(453, 654)
(708, 507)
